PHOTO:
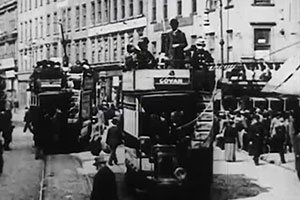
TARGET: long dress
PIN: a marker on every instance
(230, 137)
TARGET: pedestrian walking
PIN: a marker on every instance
(104, 184)
(291, 131)
(113, 140)
(279, 139)
(1, 155)
(238, 120)
(6, 125)
(256, 139)
(28, 120)
(230, 138)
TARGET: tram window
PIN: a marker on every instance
(156, 120)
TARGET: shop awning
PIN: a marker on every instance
(284, 80)
(6, 64)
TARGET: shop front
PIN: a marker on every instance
(7, 70)
(108, 85)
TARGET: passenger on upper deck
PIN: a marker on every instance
(144, 58)
(200, 57)
(175, 44)
(131, 57)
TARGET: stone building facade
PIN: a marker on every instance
(8, 46)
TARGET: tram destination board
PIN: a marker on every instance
(165, 81)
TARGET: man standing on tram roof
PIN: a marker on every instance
(175, 44)
(201, 58)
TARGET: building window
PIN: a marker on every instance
(106, 11)
(141, 7)
(77, 24)
(99, 11)
(154, 47)
(55, 50)
(213, 5)
(262, 38)
(115, 10)
(25, 60)
(48, 51)
(69, 19)
(106, 48)
(115, 48)
(130, 8)
(21, 60)
(165, 9)
(93, 14)
(77, 50)
(93, 57)
(122, 9)
(194, 6)
(100, 47)
(69, 50)
(48, 24)
(179, 7)
(64, 19)
(211, 42)
(41, 53)
(83, 15)
(83, 49)
(30, 30)
(36, 54)
(36, 27)
(21, 31)
(153, 10)
(21, 6)
(41, 27)
(122, 46)
(262, 2)
(55, 23)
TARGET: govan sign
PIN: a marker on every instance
(171, 81)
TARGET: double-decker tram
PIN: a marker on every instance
(167, 123)
(60, 107)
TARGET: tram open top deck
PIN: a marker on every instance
(147, 80)
(143, 81)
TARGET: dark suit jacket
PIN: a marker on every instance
(177, 38)
(104, 185)
(114, 137)
(230, 134)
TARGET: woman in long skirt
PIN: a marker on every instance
(230, 137)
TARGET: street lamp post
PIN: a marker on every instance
(64, 45)
(221, 39)
(221, 42)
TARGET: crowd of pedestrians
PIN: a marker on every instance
(255, 131)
